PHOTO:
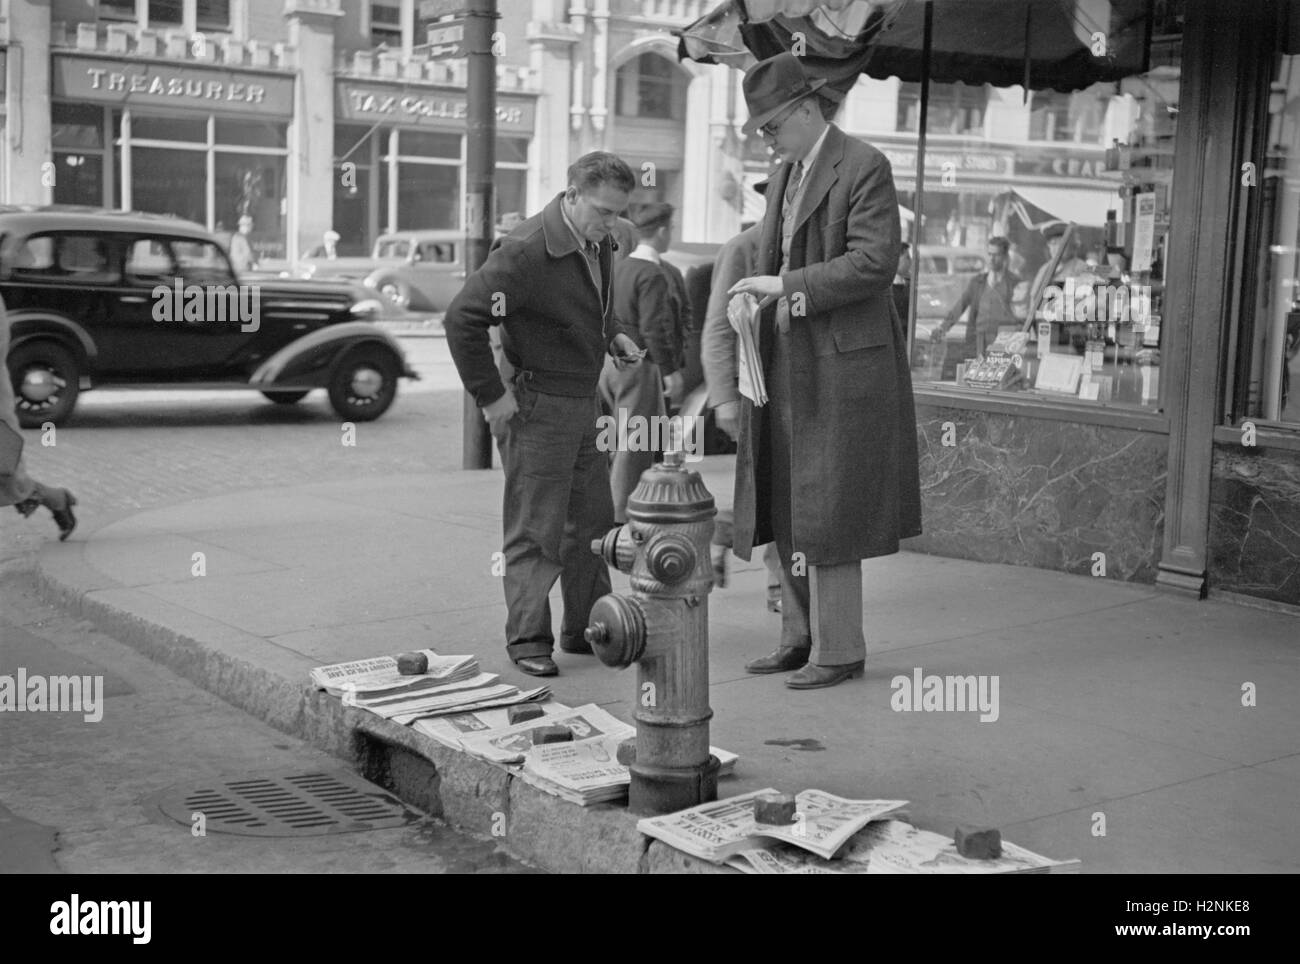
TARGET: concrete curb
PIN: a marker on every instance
(470, 794)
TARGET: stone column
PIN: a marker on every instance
(311, 145)
(551, 48)
(29, 168)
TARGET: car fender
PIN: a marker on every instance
(331, 341)
(25, 326)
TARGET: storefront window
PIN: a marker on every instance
(169, 158)
(251, 133)
(1041, 272)
(511, 188)
(1271, 382)
(428, 196)
(166, 181)
(147, 128)
(77, 136)
(78, 178)
(252, 185)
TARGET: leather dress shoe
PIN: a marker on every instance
(537, 666)
(814, 677)
(783, 660)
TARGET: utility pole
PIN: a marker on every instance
(480, 167)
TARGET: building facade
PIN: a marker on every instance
(1160, 447)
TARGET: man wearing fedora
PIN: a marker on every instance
(828, 468)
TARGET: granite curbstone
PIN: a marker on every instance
(471, 794)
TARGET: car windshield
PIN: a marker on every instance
(392, 249)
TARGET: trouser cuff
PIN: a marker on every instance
(536, 647)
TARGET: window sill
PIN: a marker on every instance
(1036, 406)
(1268, 435)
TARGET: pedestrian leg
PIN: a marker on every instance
(584, 575)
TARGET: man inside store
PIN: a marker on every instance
(987, 297)
(241, 250)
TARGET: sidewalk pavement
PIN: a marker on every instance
(1121, 737)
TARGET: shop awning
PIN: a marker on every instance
(1059, 44)
(1086, 207)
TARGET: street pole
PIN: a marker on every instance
(480, 165)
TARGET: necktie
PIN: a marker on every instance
(792, 187)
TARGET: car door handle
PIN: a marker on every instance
(133, 299)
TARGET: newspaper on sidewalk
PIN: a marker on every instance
(468, 701)
(511, 743)
(583, 772)
(743, 312)
(715, 831)
(451, 729)
(896, 847)
(378, 676)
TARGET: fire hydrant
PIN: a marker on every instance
(663, 627)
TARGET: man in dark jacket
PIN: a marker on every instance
(828, 468)
(644, 305)
(548, 284)
(988, 296)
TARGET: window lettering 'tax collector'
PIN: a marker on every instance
(116, 81)
(367, 103)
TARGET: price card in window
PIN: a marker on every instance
(1059, 373)
(1144, 230)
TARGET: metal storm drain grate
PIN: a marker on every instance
(301, 805)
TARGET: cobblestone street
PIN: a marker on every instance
(124, 451)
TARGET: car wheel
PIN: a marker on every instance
(364, 384)
(285, 398)
(46, 381)
(396, 291)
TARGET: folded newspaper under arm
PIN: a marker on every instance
(743, 311)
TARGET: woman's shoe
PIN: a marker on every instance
(27, 507)
(64, 517)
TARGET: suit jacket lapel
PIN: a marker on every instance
(821, 177)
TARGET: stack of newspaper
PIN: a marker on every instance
(743, 312)
(896, 847)
(452, 684)
(583, 771)
(715, 831)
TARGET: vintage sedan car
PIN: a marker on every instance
(416, 270)
(102, 298)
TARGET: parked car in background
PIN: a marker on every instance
(102, 298)
(415, 270)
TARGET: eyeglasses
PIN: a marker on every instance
(773, 128)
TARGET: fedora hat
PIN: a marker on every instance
(773, 85)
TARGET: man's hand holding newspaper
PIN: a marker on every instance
(743, 312)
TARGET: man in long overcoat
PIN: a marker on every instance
(828, 468)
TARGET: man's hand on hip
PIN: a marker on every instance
(727, 415)
(499, 413)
